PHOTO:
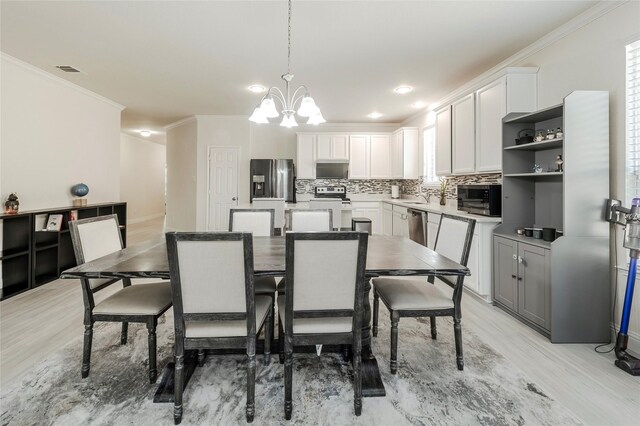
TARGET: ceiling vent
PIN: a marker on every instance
(68, 68)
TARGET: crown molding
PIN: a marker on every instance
(61, 81)
(179, 122)
(506, 66)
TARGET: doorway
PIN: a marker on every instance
(222, 190)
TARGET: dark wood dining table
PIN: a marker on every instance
(386, 256)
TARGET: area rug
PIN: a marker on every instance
(428, 389)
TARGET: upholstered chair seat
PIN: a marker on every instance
(140, 299)
(416, 294)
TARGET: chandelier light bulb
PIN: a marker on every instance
(258, 117)
(268, 107)
(316, 119)
(289, 121)
(308, 107)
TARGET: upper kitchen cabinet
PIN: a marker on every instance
(359, 154)
(515, 92)
(332, 147)
(405, 153)
(463, 135)
(469, 131)
(306, 157)
(443, 141)
(380, 157)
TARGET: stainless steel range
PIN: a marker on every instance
(338, 191)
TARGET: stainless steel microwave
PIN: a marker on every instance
(485, 200)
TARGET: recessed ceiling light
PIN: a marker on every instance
(401, 90)
(145, 133)
(374, 115)
(257, 88)
(418, 105)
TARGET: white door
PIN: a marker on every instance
(443, 142)
(223, 186)
(463, 135)
(491, 106)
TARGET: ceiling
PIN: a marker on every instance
(166, 60)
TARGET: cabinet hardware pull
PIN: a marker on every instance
(519, 278)
(515, 257)
(513, 276)
(520, 259)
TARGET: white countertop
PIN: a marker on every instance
(437, 208)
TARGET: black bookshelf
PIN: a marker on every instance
(32, 256)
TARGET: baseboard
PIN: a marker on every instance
(146, 218)
(480, 297)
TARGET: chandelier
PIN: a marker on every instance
(306, 105)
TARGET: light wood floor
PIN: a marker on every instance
(39, 322)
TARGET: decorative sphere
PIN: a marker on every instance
(80, 190)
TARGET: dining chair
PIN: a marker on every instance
(416, 297)
(277, 204)
(335, 205)
(215, 306)
(96, 237)
(310, 220)
(323, 305)
(260, 222)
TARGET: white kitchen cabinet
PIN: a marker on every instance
(358, 157)
(400, 222)
(396, 156)
(463, 135)
(433, 222)
(370, 210)
(410, 148)
(332, 147)
(491, 106)
(306, 157)
(443, 141)
(379, 157)
(387, 219)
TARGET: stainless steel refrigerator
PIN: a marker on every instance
(273, 179)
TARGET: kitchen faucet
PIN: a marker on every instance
(426, 197)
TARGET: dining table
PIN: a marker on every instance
(386, 256)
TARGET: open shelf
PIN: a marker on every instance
(537, 146)
(535, 175)
(537, 116)
(8, 254)
(46, 246)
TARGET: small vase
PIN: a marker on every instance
(443, 201)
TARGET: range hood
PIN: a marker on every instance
(332, 169)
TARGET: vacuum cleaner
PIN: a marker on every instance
(630, 219)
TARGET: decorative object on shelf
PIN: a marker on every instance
(525, 136)
(537, 233)
(12, 204)
(539, 136)
(54, 222)
(528, 232)
(551, 134)
(443, 189)
(537, 168)
(79, 190)
(307, 107)
(559, 133)
(549, 234)
(559, 163)
(520, 231)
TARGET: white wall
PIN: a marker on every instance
(142, 170)
(53, 136)
(182, 142)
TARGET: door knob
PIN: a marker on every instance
(515, 257)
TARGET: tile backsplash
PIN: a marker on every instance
(408, 186)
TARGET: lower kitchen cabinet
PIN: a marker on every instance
(387, 219)
(522, 280)
(370, 210)
(400, 221)
(433, 222)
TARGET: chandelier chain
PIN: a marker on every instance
(289, 41)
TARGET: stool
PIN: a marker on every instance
(361, 224)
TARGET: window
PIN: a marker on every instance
(429, 170)
(633, 121)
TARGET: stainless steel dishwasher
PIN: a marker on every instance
(417, 220)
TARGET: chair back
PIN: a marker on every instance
(310, 220)
(457, 244)
(211, 277)
(326, 203)
(325, 275)
(277, 204)
(93, 238)
(257, 221)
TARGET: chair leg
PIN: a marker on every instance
(86, 350)
(288, 377)
(376, 307)
(125, 330)
(457, 331)
(345, 352)
(393, 364)
(280, 341)
(268, 336)
(153, 371)
(251, 385)
(434, 330)
(201, 357)
(178, 387)
(357, 376)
